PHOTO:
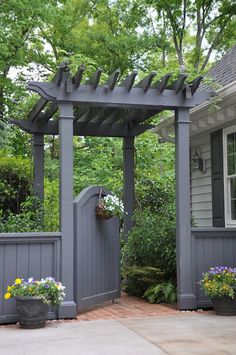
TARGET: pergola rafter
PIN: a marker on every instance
(119, 108)
(92, 129)
(113, 109)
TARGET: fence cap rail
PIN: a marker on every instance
(30, 235)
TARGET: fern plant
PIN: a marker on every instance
(163, 292)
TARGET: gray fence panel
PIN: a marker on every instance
(211, 247)
(97, 252)
(26, 255)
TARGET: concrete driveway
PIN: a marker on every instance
(186, 333)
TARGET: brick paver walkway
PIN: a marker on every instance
(127, 307)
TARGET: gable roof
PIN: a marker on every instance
(224, 71)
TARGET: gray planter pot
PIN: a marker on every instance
(224, 306)
(32, 312)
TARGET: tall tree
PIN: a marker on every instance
(196, 27)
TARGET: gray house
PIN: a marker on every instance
(213, 173)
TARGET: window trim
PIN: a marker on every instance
(227, 202)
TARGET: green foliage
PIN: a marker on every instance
(51, 205)
(15, 182)
(197, 28)
(28, 219)
(163, 292)
(151, 242)
(136, 280)
(98, 161)
(32, 216)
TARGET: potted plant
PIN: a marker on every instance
(219, 283)
(33, 298)
(109, 206)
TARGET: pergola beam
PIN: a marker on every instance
(118, 97)
(162, 84)
(52, 109)
(95, 78)
(83, 128)
(113, 96)
(179, 84)
(146, 82)
(42, 102)
(113, 79)
(36, 110)
(128, 82)
(78, 76)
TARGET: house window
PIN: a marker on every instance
(230, 174)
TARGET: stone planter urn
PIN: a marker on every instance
(32, 312)
(224, 306)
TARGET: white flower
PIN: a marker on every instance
(113, 205)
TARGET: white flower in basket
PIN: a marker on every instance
(109, 206)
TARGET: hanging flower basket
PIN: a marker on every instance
(108, 206)
(101, 212)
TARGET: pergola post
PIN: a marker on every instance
(66, 117)
(185, 294)
(128, 173)
(38, 162)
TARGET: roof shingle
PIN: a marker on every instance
(224, 71)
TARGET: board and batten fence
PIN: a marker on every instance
(211, 247)
(26, 255)
(97, 251)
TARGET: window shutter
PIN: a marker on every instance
(217, 179)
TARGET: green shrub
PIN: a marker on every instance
(51, 205)
(138, 279)
(156, 195)
(162, 292)
(29, 218)
(15, 183)
(151, 242)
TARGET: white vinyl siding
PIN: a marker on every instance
(201, 197)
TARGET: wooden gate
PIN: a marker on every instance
(97, 252)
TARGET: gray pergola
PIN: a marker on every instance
(113, 110)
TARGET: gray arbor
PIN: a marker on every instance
(113, 110)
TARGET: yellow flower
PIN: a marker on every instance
(7, 296)
(9, 288)
(17, 281)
